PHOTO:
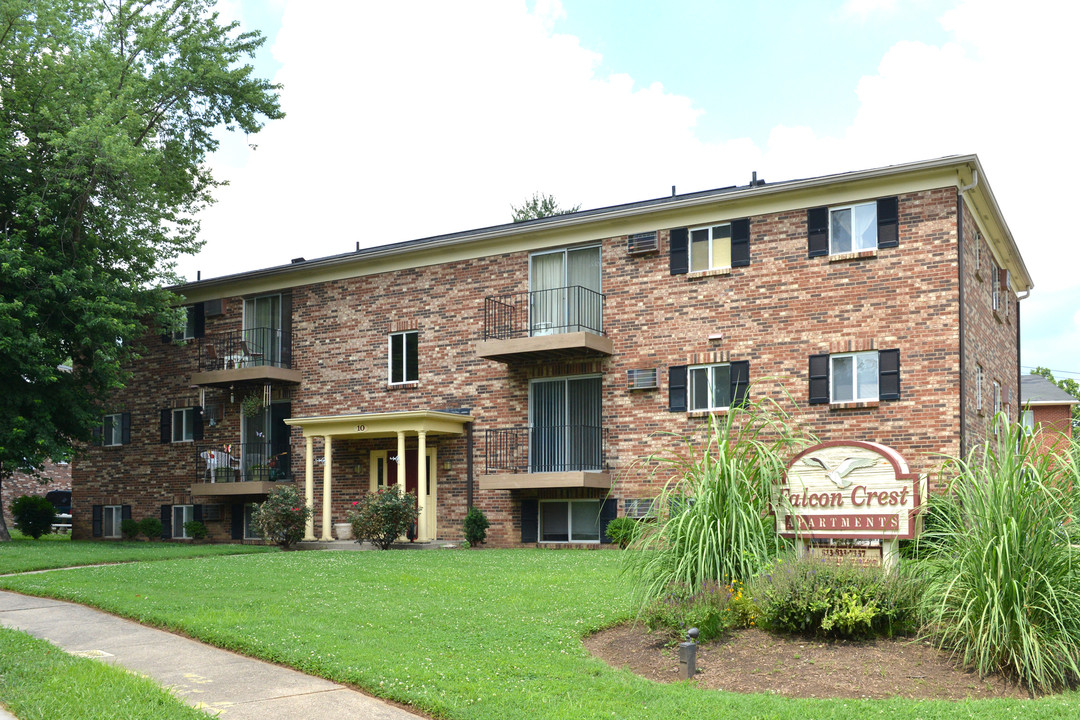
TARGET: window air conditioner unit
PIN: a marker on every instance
(641, 379)
(642, 243)
(636, 507)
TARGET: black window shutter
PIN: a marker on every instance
(608, 511)
(197, 429)
(740, 243)
(679, 242)
(125, 512)
(97, 434)
(530, 513)
(889, 374)
(677, 388)
(96, 515)
(237, 521)
(819, 379)
(198, 310)
(125, 428)
(196, 513)
(888, 222)
(740, 381)
(166, 425)
(166, 522)
(166, 338)
(817, 229)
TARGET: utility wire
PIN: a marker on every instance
(1056, 372)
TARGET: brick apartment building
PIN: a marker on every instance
(1046, 412)
(532, 364)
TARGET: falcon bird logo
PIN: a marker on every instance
(839, 475)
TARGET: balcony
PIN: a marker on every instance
(240, 469)
(252, 355)
(562, 456)
(566, 322)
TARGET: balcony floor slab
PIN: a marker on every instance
(534, 481)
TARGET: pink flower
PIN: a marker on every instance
(355, 503)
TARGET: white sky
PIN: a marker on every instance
(410, 119)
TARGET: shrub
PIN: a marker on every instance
(476, 526)
(195, 530)
(816, 597)
(712, 520)
(33, 515)
(1003, 588)
(129, 528)
(382, 516)
(708, 608)
(623, 531)
(150, 527)
(282, 517)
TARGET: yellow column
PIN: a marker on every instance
(400, 462)
(421, 486)
(309, 490)
(328, 457)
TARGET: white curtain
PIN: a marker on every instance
(547, 301)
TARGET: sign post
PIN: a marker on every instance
(848, 502)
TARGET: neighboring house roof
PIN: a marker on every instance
(1037, 390)
(963, 171)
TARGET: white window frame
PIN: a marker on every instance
(188, 333)
(712, 262)
(995, 287)
(117, 513)
(710, 380)
(187, 514)
(569, 520)
(115, 436)
(854, 376)
(978, 387)
(1027, 421)
(997, 397)
(183, 431)
(853, 208)
(250, 531)
(978, 253)
(404, 357)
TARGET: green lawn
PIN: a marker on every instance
(38, 681)
(56, 551)
(488, 634)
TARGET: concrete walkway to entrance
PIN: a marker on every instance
(215, 680)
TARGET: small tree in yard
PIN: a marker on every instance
(383, 516)
(33, 515)
(476, 525)
(281, 519)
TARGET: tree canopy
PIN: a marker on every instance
(540, 205)
(1068, 385)
(107, 115)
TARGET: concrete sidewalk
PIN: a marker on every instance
(215, 680)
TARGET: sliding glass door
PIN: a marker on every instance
(565, 291)
(565, 432)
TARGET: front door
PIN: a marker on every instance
(384, 474)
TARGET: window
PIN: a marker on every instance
(978, 254)
(710, 387)
(1027, 420)
(189, 330)
(116, 429)
(565, 292)
(997, 397)
(180, 515)
(855, 377)
(995, 287)
(978, 388)
(570, 521)
(404, 357)
(710, 247)
(111, 518)
(853, 228)
(251, 532)
(183, 425)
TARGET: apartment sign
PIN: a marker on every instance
(847, 490)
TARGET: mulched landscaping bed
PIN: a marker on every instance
(753, 661)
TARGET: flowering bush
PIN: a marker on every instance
(281, 519)
(707, 607)
(382, 516)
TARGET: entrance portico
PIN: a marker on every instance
(365, 426)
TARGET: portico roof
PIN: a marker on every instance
(384, 424)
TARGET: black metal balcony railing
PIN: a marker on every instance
(252, 347)
(559, 448)
(241, 462)
(543, 312)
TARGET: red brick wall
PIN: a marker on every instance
(1053, 426)
(775, 313)
(54, 476)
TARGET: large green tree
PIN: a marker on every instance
(1068, 385)
(107, 115)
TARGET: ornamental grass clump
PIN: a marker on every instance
(712, 521)
(1002, 574)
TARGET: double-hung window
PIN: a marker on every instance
(858, 227)
(852, 228)
(116, 429)
(710, 387)
(997, 397)
(710, 247)
(183, 425)
(978, 388)
(111, 517)
(180, 515)
(855, 377)
(404, 357)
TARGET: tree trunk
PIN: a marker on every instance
(5, 536)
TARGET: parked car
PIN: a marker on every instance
(61, 500)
